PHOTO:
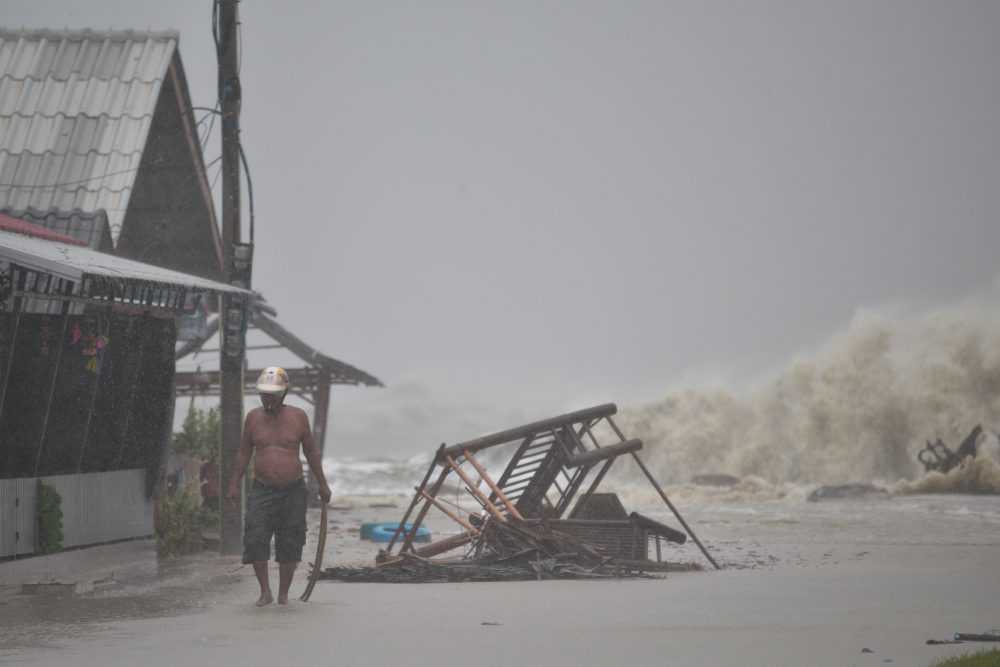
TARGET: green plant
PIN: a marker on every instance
(50, 528)
(179, 524)
(200, 436)
(983, 658)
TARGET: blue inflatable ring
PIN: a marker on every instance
(383, 532)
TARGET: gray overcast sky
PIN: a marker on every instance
(508, 209)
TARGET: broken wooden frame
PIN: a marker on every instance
(937, 457)
(552, 460)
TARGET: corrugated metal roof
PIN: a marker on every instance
(90, 228)
(75, 112)
(73, 262)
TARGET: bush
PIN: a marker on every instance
(179, 523)
(983, 658)
(201, 435)
(50, 527)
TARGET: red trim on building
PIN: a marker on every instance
(9, 224)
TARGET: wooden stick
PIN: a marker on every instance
(496, 489)
(474, 491)
(454, 517)
(318, 563)
(432, 549)
(673, 509)
(408, 542)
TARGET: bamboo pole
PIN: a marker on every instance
(490, 507)
(454, 517)
(493, 485)
(408, 541)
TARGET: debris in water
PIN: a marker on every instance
(715, 479)
(856, 490)
(981, 637)
(937, 457)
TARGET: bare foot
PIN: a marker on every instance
(283, 599)
(265, 599)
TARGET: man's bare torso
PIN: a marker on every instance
(276, 438)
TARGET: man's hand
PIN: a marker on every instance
(234, 494)
(325, 494)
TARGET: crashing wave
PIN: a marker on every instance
(859, 409)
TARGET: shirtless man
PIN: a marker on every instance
(276, 503)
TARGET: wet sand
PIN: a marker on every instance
(807, 585)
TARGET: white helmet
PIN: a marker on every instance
(272, 380)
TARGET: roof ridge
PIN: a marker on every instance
(75, 115)
(74, 187)
(56, 211)
(73, 34)
(9, 152)
(49, 77)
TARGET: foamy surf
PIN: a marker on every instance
(859, 410)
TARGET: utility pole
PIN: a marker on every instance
(234, 313)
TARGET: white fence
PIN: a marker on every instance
(96, 507)
(17, 516)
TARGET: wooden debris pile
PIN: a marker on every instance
(512, 551)
(519, 530)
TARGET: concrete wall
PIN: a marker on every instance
(97, 507)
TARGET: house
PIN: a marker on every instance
(109, 244)
(107, 235)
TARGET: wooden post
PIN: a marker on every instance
(321, 409)
(493, 486)
(230, 365)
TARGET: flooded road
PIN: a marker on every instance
(806, 584)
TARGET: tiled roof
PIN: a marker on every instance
(91, 228)
(75, 112)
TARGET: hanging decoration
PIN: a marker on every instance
(92, 343)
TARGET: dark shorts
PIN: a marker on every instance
(278, 511)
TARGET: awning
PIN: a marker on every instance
(74, 262)
(52, 274)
